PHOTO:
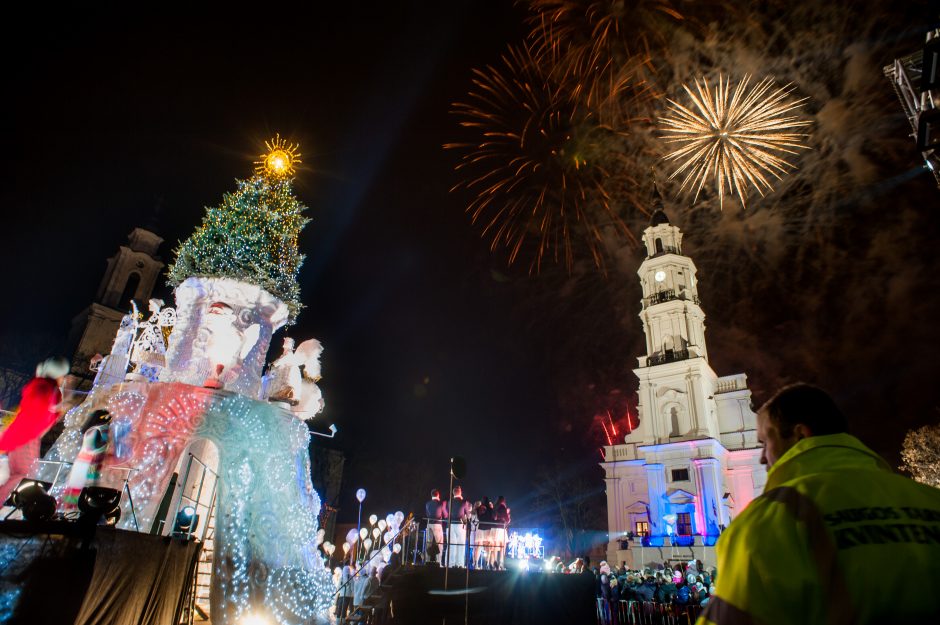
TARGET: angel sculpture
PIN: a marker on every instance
(311, 398)
(284, 376)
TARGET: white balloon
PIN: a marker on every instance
(320, 534)
(352, 536)
(399, 516)
(375, 532)
(397, 548)
(372, 519)
(346, 548)
(388, 537)
(382, 524)
(367, 543)
(390, 519)
(363, 532)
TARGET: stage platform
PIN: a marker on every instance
(491, 597)
(61, 573)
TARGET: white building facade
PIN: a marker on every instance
(693, 461)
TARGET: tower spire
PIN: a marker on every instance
(657, 204)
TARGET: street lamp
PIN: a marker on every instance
(360, 497)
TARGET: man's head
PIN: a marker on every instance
(796, 412)
(458, 492)
(435, 494)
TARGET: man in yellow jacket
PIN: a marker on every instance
(836, 537)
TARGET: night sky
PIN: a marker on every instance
(433, 346)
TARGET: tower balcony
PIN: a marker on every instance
(667, 295)
(662, 250)
(670, 355)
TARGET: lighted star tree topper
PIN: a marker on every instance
(738, 138)
(280, 159)
(252, 235)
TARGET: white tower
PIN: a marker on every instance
(676, 360)
(693, 460)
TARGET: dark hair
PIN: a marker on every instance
(435, 493)
(806, 404)
(458, 491)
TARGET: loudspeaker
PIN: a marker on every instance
(458, 466)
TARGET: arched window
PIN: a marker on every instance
(130, 289)
(659, 245)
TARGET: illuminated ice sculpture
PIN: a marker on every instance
(265, 546)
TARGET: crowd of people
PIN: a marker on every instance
(681, 584)
(478, 530)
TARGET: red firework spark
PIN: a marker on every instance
(545, 157)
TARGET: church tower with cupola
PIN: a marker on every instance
(693, 461)
(131, 274)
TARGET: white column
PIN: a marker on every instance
(708, 501)
(656, 483)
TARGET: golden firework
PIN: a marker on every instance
(737, 138)
(280, 159)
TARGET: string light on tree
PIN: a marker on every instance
(738, 138)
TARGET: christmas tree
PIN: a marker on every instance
(252, 235)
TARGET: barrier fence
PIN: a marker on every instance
(646, 613)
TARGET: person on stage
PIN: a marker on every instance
(499, 533)
(457, 539)
(86, 470)
(484, 537)
(40, 407)
(436, 513)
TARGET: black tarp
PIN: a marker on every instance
(59, 573)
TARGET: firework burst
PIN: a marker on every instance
(738, 138)
(543, 161)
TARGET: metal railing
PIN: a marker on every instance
(668, 295)
(665, 249)
(672, 355)
(196, 502)
(646, 613)
(489, 549)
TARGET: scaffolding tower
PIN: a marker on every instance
(916, 80)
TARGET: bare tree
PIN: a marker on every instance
(573, 503)
(920, 454)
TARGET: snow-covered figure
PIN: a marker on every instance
(235, 285)
(220, 321)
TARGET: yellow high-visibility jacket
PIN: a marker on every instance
(836, 537)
